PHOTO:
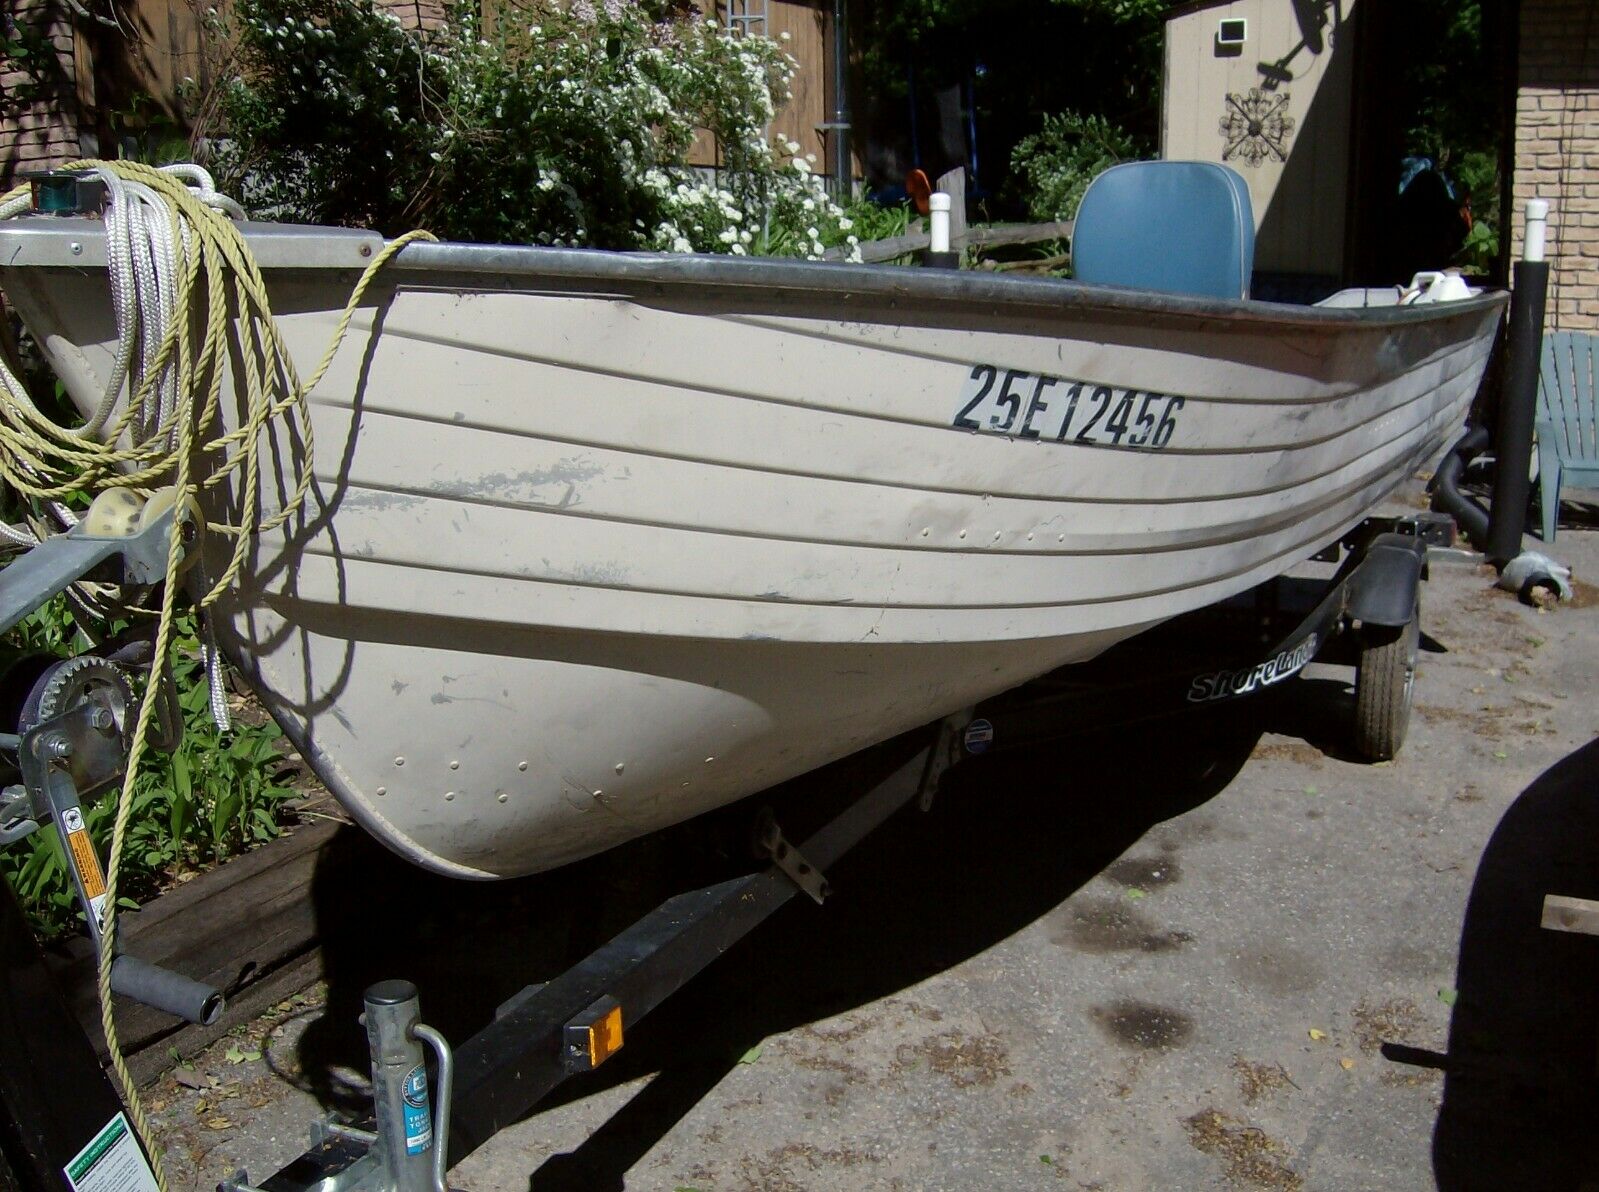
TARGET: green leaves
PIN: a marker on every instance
(557, 125)
(1062, 158)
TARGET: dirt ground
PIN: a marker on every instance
(1216, 953)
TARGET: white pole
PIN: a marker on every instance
(1537, 226)
(938, 221)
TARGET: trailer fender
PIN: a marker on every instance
(1382, 589)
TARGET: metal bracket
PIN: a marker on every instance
(770, 841)
(60, 561)
(944, 754)
(16, 815)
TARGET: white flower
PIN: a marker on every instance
(845, 223)
(682, 245)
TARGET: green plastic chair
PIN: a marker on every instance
(1568, 426)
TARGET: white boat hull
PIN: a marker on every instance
(603, 542)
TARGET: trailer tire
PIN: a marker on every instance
(1385, 681)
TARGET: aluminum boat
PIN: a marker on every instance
(600, 541)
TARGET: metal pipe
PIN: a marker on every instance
(441, 1104)
(400, 1086)
(1518, 400)
(841, 170)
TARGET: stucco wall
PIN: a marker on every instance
(1557, 150)
(1290, 79)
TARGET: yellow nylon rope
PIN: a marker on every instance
(42, 460)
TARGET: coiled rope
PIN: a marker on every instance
(182, 279)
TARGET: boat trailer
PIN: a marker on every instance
(70, 746)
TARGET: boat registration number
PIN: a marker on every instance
(1031, 406)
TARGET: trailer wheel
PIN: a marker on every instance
(1385, 680)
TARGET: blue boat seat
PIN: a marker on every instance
(1181, 227)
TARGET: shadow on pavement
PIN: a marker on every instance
(1519, 1090)
(1008, 839)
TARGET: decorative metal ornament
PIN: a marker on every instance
(1256, 127)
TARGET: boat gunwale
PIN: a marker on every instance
(810, 282)
(43, 243)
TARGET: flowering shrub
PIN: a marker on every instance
(569, 124)
(1062, 158)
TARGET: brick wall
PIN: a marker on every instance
(416, 14)
(42, 130)
(1557, 150)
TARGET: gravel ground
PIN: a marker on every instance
(1215, 954)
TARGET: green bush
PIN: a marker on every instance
(1059, 161)
(1477, 173)
(567, 124)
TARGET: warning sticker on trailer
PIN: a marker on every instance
(84, 859)
(112, 1162)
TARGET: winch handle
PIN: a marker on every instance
(162, 989)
